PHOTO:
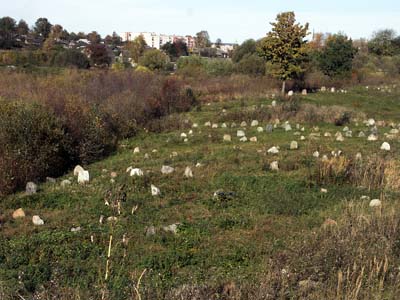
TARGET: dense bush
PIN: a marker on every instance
(218, 67)
(251, 64)
(79, 118)
(154, 60)
(70, 58)
(33, 145)
(191, 66)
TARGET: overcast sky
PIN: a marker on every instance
(230, 20)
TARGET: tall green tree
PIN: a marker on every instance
(384, 43)
(248, 47)
(154, 60)
(175, 49)
(285, 47)
(42, 28)
(136, 48)
(202, 39)
(99, 55)
(22, 28)
(336, 58)
(8, 30)
(94, 37)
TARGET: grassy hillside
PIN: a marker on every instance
(264, 235)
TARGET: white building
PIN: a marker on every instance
(155, 40)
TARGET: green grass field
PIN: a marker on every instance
(229, 239)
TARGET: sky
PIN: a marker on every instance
(230, 20)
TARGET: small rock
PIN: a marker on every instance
(253, 139)
(294, 145)
(260, 129)
(65, 182)
(304, 92)
(324, 191)
(188, 172)
(361, 134)
(113, 174)
(385, 146)
(290, 93)
(31, 188)
(273, 103)
(167, 170)
(243, 124)
(269, 128)
(243, 139)
(36, 220)
(287, 127)
(183, 135)
(112, 219)
(215, 126)
(372, 138)
(77, 170)
(83, 177)
(151, 230)
(76, 229)
(327, 134)
(254, 123)
(375, 203)
(224, 125)
(371, 122)
(207, 124)
(173, 228)
(50, 180)
(195, 125)
(273, 150)
(136, 172)
(339, 138)
(240, 133)
(19, 213)
(155, 191)
(302, 138)
(227, 138)
(274, 166)
(316, 154)
(136, 150)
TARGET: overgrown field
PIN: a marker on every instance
(243, 231)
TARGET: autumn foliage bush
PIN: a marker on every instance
(33, 145)
(51, 122)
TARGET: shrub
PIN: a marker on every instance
(32, 145)
(218, 67)
(251, 64)
(154, 60)
(71, 58)
(93, 133)
(191, 66)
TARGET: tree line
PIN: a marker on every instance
(286, 52)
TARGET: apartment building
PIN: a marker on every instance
(156, 41)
